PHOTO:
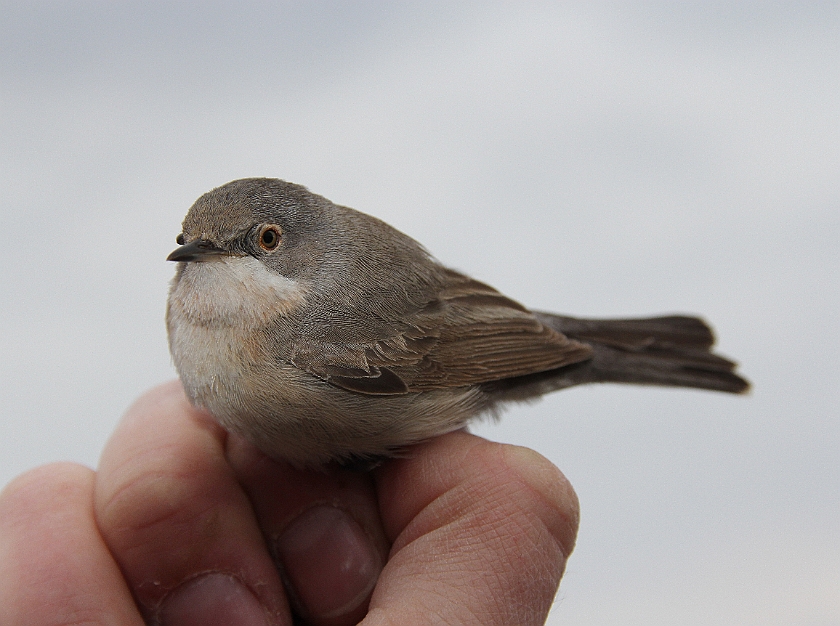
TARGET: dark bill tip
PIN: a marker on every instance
(195, 251)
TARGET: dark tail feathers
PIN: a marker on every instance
(673, 351)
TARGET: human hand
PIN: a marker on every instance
(185, 524)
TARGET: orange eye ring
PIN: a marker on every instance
(269, 237)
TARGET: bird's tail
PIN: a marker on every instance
(673, 351)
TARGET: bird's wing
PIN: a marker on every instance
(467, 334)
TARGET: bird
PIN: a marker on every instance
(322, 334)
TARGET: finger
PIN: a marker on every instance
(54, 566)
(480, 532)
(324, 530)
(177, 521)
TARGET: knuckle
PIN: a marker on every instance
(142, 500)
(44, 488)
(541, 487)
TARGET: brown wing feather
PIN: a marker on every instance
(470, 334)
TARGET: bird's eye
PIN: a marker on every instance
(180, 239)
(269, 237)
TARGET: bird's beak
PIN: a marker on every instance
(196, 251)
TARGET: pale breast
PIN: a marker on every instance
(215, 311)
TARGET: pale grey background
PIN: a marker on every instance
(592, 158)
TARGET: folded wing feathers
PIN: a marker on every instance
(469, 334)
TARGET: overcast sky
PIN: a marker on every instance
(591, 158)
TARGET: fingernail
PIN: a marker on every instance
(212, 599)
(329, 561)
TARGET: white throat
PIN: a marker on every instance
(233, 291)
